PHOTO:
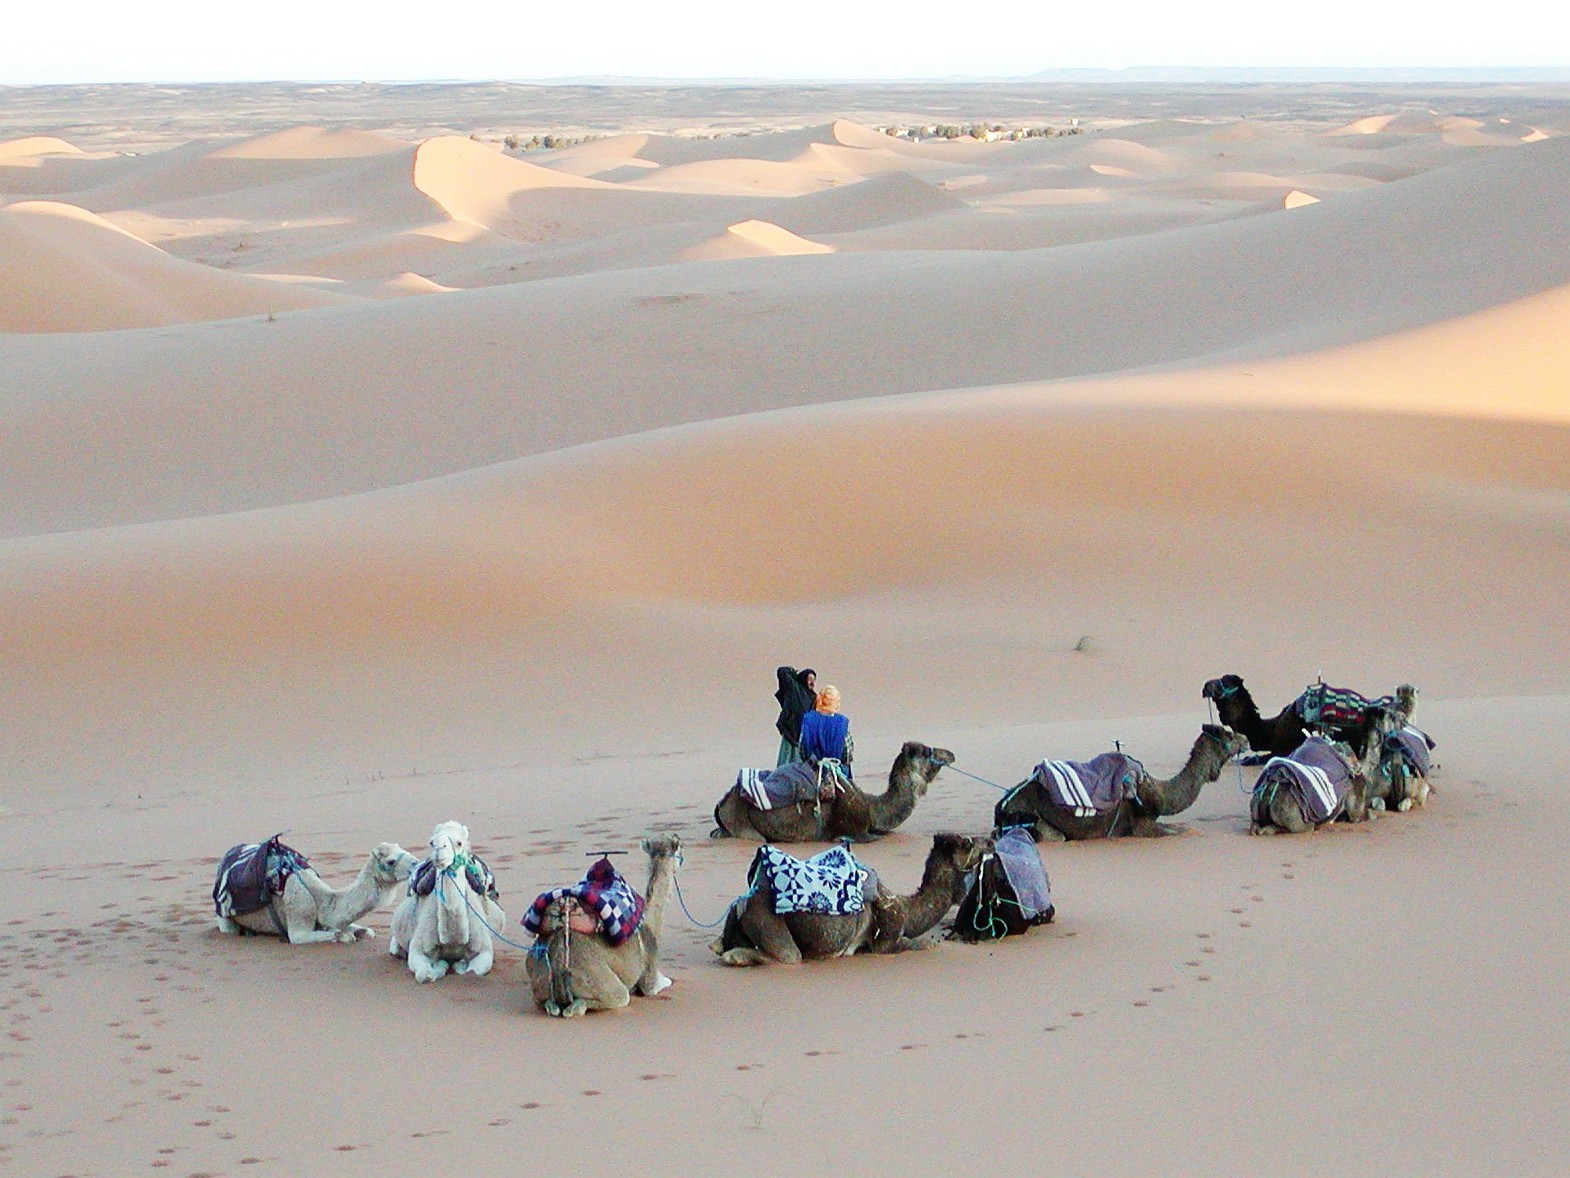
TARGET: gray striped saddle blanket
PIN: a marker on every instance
(251, 874)
(798, 781)
(1087, 788)
(1314, 774)
(1413, 746)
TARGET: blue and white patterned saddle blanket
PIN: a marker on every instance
(1315, 774)
(830, 883)
(769, 789)
(1087, 788)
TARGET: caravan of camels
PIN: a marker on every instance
(1331, 755)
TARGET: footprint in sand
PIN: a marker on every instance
(530, 1104)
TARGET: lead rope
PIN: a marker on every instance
(983, 780)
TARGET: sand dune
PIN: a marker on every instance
(1016, 443)
(63, 269)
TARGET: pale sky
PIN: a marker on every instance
(396, 40)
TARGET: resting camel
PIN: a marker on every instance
(1399, 781)
(755, 934)
(1283, 804)
(308, 912)
(448, 927)
(574, 969)
(1148, 798)
(849, 813)
(1284, 731)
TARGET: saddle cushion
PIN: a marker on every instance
(1315, 775)
(251, 874)
(830, 883)
(1087, 788)
(482, 880)
(603, 892)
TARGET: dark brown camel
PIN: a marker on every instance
(1283, 732)
(1030, 805)
(849, 813)
(755, 934)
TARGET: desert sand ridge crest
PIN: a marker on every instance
(32, 146)
(63, 269)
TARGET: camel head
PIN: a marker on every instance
(448, 841)
(663, 846)
(1228, 743)
(925, 761)
(1222, 688)
(392, 863)
(1406, 701)
(964, 851)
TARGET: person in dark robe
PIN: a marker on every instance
(797, 694)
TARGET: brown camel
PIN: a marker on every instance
(1276, 808)
(755, 934)
(848, 814)
(1029, 804)
(579, 971)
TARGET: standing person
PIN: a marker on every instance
(825, 731)
(797, 694)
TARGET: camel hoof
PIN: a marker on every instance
(719, 832)
(1376, 803)
(430, 975)
(660, 984)
(1256, 828)
(460, 967)
(1406, 804)
(742, 957)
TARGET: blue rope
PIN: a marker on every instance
(983, 780)
(481, 918)
(682, 901)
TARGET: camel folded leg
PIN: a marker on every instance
(764, 937)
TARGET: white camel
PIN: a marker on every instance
(308, 912)
(445, 922)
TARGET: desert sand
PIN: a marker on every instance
(361, 472)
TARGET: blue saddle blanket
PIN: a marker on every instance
(1414, 746)
(829, 883)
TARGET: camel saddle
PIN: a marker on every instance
(773, 789)
(482, 880)
(1413, 746)
(1336, 707)
(831, 883)
(1315, 774)
(1088, 788)
(251, 874)
(617, 908)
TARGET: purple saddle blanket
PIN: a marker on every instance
(1315, 774)
(251, 874)
(772, 789)
(1021, 861)
(1087, 788)
(603, 892)
(1414, 746)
